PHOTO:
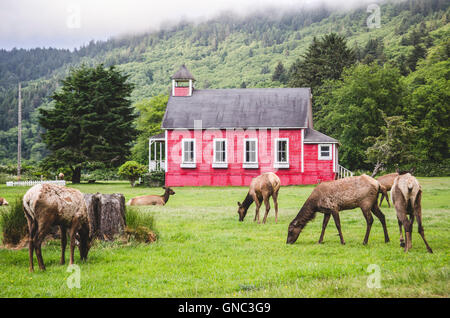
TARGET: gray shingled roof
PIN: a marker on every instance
(240, 108)
(183, 73)
(158, 136)
(313, 136)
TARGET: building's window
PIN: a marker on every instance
(220, 153)
(188, 152)
(281, 153)
(250, 153)
(325, 152)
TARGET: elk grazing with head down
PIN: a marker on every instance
(407, 197)
(3, 201)
(387, 181)
(152, 199)
(344, 194)
(47, 205)
(261, 188)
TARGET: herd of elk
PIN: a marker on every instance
(47, 205)
(261, 189)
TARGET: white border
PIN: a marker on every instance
(188, 164)
(220, 164)
(277, 164)
(250, 165)
(330, 157)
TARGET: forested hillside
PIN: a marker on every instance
(227, 51)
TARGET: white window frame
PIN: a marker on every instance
(216, 164)
(319, 150)
(276, 163)
(188, 164)
(250, 165)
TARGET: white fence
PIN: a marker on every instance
(343, 172)
(32, 183)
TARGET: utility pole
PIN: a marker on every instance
(19, 135)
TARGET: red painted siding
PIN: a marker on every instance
(181, 91)
(235, 174)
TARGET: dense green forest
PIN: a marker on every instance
(410, 48)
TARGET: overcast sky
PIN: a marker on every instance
(71, 23)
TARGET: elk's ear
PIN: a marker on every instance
(239, 204)
(164, 188)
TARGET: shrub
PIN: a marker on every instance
(154, 179)
(13, 223)
(140, 226)
(131, 170)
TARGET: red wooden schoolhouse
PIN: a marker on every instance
(222, 137)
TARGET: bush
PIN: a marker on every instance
(131, 170)
(13, 223)
(100, 174)
(140, 226)
(154, 179)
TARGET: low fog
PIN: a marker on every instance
(71, 23)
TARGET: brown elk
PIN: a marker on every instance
(407, 197)
(261, 188)
(344, 194)
(3, 201)
(152, 199)
(47, 205)
(387, 181)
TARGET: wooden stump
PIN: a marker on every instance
(106, 213)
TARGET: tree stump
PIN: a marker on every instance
(106, 214)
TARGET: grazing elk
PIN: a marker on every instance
(407, 196)
(344, 194)
(261, 188)
(152, 199)
(387, 181)
(3, 201)
(47, 205)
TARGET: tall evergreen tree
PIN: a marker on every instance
(91, 121)
(279, 74)
(325, 59)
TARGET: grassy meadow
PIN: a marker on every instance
(203, 251)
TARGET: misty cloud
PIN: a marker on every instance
(71, 23)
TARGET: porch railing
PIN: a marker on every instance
(343, 172)
(32, 183)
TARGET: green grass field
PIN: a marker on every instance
(203, 251)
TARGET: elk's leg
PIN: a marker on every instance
(402, 240)
(72, 234)
(338, 225)
(31, 233)
(275, 203)
(326, 218)
(369, 222)
(376, 210)
(267, 204)
(401, 215)
(422, 233)
(258, 205)
(63, 244)
(418, 213)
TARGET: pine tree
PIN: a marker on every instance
(91, 121)
(279, 73)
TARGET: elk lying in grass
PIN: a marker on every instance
(407, 196)
(152, 199)
(3, 202)
(344, 194)
(47, 205)
(261, 188)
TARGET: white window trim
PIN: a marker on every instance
(330, 157)
(276, 163)
(250, 165)
(220, 164)
(188, 164)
